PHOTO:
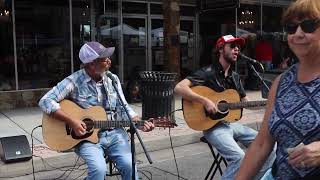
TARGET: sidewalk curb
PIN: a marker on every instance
(66, 159)
(69, 159)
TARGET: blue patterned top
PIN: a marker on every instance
(295, 118)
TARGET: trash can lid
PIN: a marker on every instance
(157, 76)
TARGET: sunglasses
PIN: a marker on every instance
(234, 45)
(103, 59)
(307, 26)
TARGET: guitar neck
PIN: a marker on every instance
(240, 105)
(115, 124)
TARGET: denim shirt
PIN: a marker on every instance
(82, 90)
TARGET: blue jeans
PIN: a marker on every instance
(113, 144)
(224, 138)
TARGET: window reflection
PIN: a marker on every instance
(43, 42)
(109, 35)
(7, 80)
(267, 44)
(157, 41)
(186, 47)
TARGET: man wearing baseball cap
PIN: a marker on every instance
(219, 77)
(90, 87)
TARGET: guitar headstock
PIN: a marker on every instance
(163, 122)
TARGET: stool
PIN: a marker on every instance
(113, 171)
(217, 160)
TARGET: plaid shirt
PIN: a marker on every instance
(81, 89)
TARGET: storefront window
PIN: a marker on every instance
(249, 26)
(156, 9)
(273, 34)
(187, 10)
(7, 71)
(43, 42)
(265, 41)
(134, 42)
(109, 35)
(134, 8)
(157, 41)
(186, 47)
(213, 24)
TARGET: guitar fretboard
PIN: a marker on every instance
(115, 124)
(240, 105)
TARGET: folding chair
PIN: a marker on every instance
(217, 160)
(113, 171)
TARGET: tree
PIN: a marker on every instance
(171, 16)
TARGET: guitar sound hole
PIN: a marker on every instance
(222, 107)
(89, 123)
(90, 127)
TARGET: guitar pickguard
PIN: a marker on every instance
(216, 116)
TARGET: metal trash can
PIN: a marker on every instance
(157, 94)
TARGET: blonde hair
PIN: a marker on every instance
(301, 9)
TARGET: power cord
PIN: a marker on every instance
(167, 172)
(143, 172)
(171, 144)
(16, 123)
(32, 150)
(70, 170)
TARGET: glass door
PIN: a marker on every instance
(134, 46)
(187, 47)
(157, 44)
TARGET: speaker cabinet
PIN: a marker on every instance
(15, 148)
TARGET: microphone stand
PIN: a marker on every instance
(132, 131)
(257, 73)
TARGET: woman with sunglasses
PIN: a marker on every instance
(292, 118)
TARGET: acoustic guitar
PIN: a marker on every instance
(59, 136)
(228, 104)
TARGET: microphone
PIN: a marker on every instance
(113, 79)
(250, 60)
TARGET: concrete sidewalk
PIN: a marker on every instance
(23, 121)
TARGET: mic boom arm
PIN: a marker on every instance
(250, 60)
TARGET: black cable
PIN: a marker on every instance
(32, 150)
(143, 172)
(46, 170)
(170, 114)
(81, 174)
(57, 168)
(16, 124)
(168, 172)
(174, 154)
(70, 170)
(65, 171)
